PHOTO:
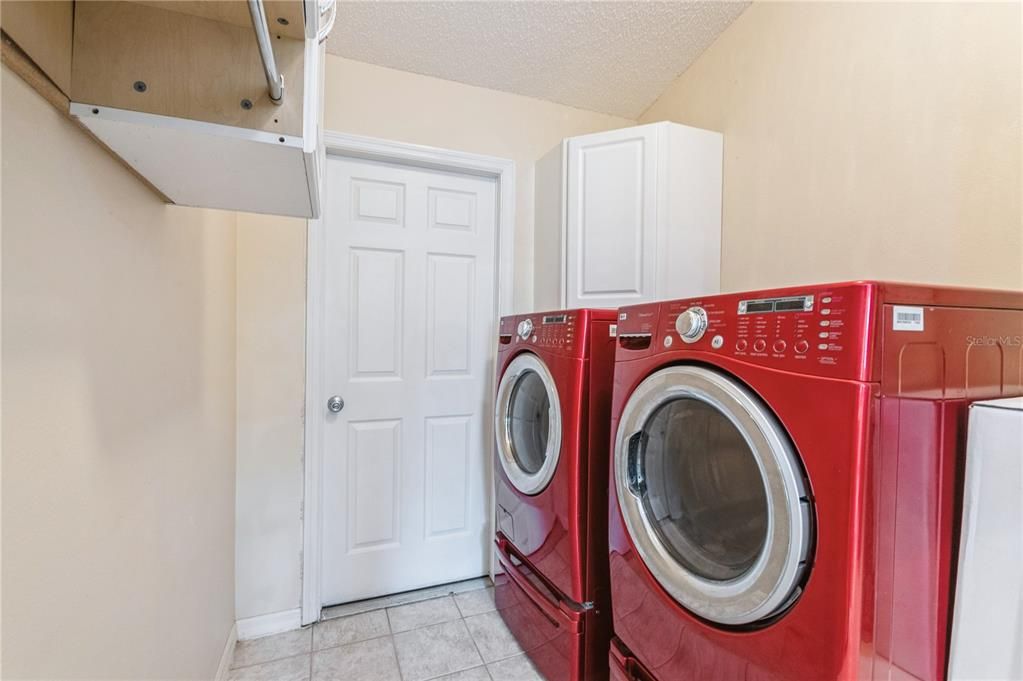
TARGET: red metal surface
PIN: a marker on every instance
(561, 533)
(624, 666)
(878, 420)
(548, 630)
(618, 671)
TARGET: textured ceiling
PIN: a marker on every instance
(612, 57)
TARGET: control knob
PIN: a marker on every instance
(525, 328)
(691, 324)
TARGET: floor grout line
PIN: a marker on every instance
(349, 643)
(458, 671)
(477, 647)
(312, 652)
(397, 661)
(276, 659)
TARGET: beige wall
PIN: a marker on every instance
(271, 398)
(118, 410)
(365, 100)
(864, 140)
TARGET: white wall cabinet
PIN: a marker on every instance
(627, 216)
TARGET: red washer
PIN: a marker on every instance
(791, 513)
(552, 422)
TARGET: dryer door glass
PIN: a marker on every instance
(705, 496)
(713, 495)
(527, 422)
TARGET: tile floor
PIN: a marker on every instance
(458, 636)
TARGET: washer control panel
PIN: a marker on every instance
(556, 331)
(823, 329)
(549, 331)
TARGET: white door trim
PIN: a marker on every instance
(356, 146)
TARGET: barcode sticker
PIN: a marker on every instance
(613, 331)
(622, 316)
(907, 318)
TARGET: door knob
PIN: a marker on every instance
(335, 404)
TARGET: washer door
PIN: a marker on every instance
(528, 424)
(713, 495)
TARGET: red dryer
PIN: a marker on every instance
(552, 423)
(786, 478)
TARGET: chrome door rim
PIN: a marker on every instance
(527, 483)
(773, 581)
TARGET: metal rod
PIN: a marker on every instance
(326, 28)
(274, 79)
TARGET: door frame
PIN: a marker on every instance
(429, 158)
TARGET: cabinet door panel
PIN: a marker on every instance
(611, 216)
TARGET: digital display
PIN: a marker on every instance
(791, 304)
(554, 319)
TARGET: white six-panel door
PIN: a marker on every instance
(410, 310)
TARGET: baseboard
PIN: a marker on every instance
(274, 623)
(227, 657)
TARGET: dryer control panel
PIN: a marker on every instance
(824, 330)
